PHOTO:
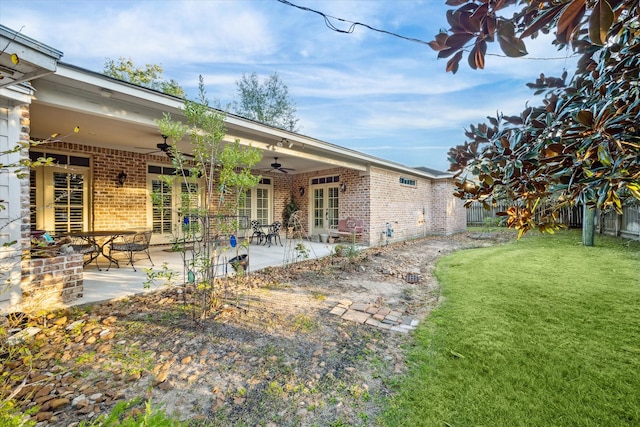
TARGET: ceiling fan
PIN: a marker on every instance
(275, 166)
(168, 149)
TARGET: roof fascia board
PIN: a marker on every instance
(105, 108)
(301, 154)
(100, 81)
(32, 44)
(326, 147)
(20, 93)
(35, 59)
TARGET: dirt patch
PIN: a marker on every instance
(272, 356)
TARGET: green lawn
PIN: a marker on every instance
(538, 332)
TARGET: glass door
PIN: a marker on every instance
(60, 199)
(325, 207)
(171, 197)
(256, 205)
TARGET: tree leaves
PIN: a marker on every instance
(476, 58)
(582, 145)
(569, 20)
(150, 76)
(600, 22)
(542, 20)
(480, 20)
(585, 117)
(266, 102)
(453, 63)
(511, 45)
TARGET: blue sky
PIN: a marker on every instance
(368, 91)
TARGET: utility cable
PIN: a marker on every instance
(352, 26)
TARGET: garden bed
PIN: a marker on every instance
(274, 355)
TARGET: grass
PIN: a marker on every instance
(539, 332)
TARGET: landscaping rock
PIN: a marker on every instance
(294, 346)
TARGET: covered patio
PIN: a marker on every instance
(123, 281)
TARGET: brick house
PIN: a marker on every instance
(118, 136)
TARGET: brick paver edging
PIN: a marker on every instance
(373, 315)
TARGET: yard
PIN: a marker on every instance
(274, 355)
(542, 331)
(539, 332)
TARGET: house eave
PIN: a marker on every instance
(97, 92)
(35, 59)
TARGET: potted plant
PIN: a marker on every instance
(289, 209)
(44, 246)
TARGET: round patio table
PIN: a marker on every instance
(100, 239)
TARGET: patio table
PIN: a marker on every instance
(100, 238)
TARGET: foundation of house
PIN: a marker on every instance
(51, 282)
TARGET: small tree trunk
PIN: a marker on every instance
(588, 226)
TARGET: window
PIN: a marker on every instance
(407, 181)
(325, 180)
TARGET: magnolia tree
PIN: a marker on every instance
(582, 145)
(224, 170)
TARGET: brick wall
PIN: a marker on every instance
(404, 207)
(353, 202)
(117, 207)
(413, 211)
(376, 197)
(51, 282)
(282, 190)
(25, 226)
(450, 214)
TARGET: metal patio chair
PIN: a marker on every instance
(86, 247)
(131, 245)
(257, 231)
(274, 233)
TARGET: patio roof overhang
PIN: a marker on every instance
(112, 114)
(115, 114)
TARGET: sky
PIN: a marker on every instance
(368, 91)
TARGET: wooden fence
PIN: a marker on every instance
(477, 215)
(626, 225)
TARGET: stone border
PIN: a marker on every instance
(374, 315)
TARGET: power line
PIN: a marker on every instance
(352, 26)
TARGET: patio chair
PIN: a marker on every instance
(86, 247)
(130, 246)
(257, 231)
(274, 233)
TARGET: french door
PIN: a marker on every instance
(171, 196)
(59, 199)
(325, 207)
(257, 205)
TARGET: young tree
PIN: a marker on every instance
(150, 76)
(583, 144)
(267, 102)
(224, 170)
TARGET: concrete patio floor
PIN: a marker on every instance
(123, 281)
